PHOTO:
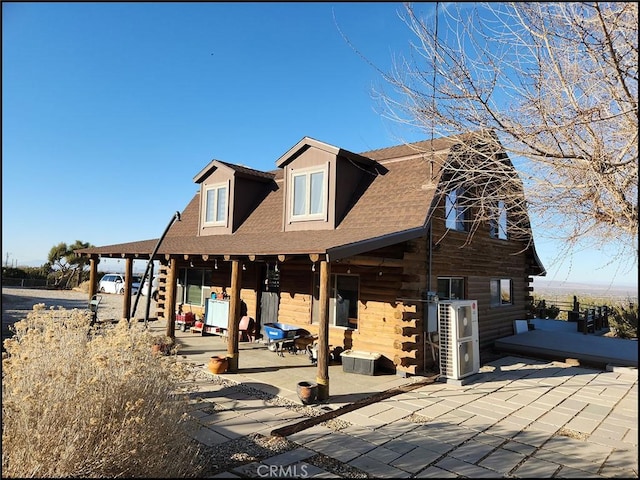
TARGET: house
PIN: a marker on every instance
(349, 245)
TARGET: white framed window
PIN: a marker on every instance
(216, 204)
(343, 300)
(308, 195)
(501, 292)
(455, 213)
(498, 222)
(450, 288)
(194, 282)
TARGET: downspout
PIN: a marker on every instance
(425, 322)
(431, 307)
(430, 256)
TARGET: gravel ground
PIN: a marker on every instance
(255, 447)
(18, 302)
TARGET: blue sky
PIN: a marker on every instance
(110, 109)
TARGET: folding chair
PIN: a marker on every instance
(93, 307)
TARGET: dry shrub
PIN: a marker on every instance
(623, 320)
(78, 402)
(83, 287)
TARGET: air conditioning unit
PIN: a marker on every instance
(458, 332)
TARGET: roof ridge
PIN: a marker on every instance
(245, 169)
(453, 138)
(436, 145)
(379, 150)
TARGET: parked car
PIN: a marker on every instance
(114, 283)
(153, 288)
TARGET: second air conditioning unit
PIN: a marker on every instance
(458, 332)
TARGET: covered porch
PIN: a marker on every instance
(266, 371)
(227, 275)
(372, 313)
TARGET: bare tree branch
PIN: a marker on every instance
(558, 84)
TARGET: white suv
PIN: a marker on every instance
(114, 283)
(154, 288)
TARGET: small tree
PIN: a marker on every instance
(11, 272)
(57, 260)
(41, 272)
(79, 262)
(66, 264)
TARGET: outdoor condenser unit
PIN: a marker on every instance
(458, 332)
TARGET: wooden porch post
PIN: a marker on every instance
(322, 376)
(170, 299)
(234, 316)
(126, 304)
(93, 275)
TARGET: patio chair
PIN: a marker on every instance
(247, 329)
(93, 308)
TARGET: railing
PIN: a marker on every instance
(589, 319)
(26, 283)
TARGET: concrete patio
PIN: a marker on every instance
(517, 418)
(279, 375)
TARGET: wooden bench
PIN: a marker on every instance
(602, 317)
(587, 323)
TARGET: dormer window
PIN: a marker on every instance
(309, 194)
(216, 204)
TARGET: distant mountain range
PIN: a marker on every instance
(556, 288)
(109, 265)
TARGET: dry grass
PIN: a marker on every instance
(83, 403)
(565, 432)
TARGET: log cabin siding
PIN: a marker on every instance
(392, 283)
(495, 321)
(478, 261)
(381, 316)
(295, 294)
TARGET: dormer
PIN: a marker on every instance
(228, 194)
(319, 183)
